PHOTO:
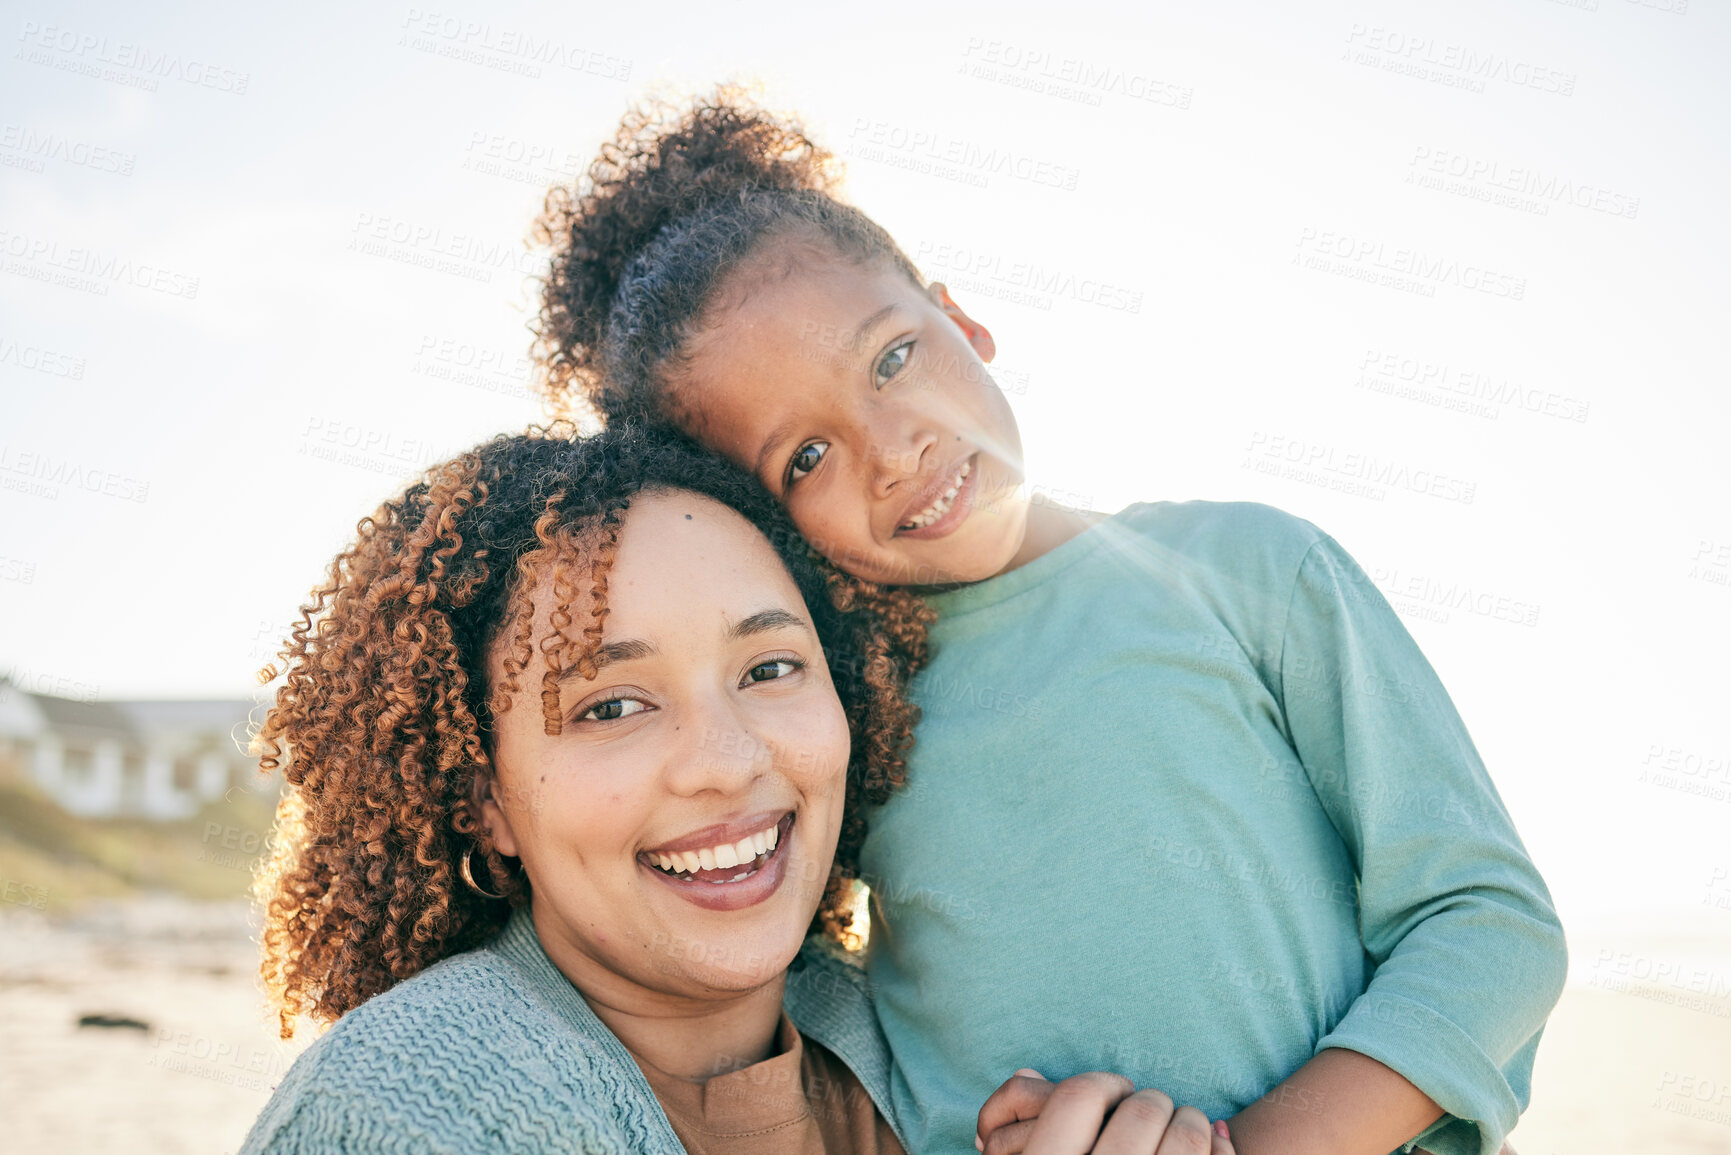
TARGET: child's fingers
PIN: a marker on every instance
(1021, 1097)
(1222, 1146)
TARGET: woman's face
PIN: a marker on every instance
(864, 404)
(678, 833)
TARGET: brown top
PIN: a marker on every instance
(800, 1101)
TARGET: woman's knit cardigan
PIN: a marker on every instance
(494, 1051)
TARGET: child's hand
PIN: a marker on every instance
(1095, 1112)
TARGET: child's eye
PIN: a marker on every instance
(805, 459)
(891, 363)
(769, 671)
(613, 709)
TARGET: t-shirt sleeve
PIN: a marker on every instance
(1468, 953)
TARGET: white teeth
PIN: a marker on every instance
(722, 857)
(942, 505)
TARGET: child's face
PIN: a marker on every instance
(711, 721)
(863, 403)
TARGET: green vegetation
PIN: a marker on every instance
(53, 860)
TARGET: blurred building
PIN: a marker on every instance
(110, 759)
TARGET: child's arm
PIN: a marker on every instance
(1468, 952)
(1339, 1103)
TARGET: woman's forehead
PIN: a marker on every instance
(672, 550)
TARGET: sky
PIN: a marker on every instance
(1445, 279)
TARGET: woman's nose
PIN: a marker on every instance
(723, 753)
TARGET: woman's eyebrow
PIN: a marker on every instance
(630, 650)
(765, 620)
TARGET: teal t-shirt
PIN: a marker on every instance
(1188, 803)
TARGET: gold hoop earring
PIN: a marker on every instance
(469, 875)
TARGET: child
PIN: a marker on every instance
(1184, 732)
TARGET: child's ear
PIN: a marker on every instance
(977, 334)
(494, 820)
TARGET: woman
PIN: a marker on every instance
(577, 736)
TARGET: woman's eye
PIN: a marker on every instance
(612, 709)
(805, 459)
(891, 363)
(769, 671)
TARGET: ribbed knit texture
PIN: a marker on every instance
(494, 1051)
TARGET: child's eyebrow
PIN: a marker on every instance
(774, 438)
(872, 322)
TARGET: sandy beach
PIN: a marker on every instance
(1635, 1067)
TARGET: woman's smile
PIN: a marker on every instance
(720, 876)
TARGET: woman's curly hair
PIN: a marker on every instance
(679, 198)
(382, 727)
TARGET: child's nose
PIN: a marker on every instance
(895, 460)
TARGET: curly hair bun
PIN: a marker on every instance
(680, 195)
(665, 162)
